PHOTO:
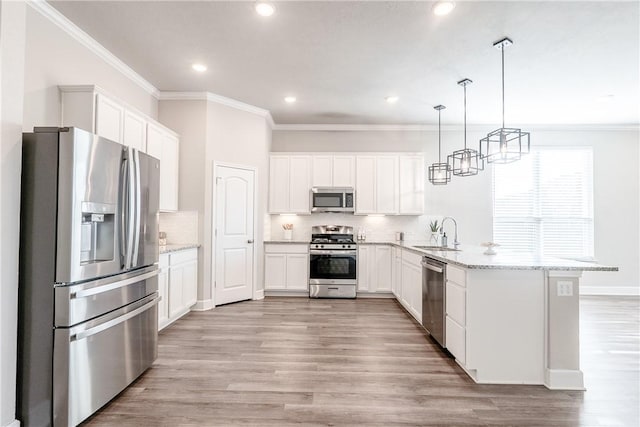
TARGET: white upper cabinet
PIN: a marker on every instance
(377, 185)
(135, 131)
(289, 184)
(384, 183)
(387, 185)
(322, 171)
(299, 184)
(366, 185)
(109, 118)
(411, 185)
(164, 146)
(333, 171)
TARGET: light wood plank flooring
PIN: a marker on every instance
(295, 361)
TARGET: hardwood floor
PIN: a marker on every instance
(295, 361)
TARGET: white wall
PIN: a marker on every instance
(213, 132)
(242, 138)
(54, 58)
(12, 37)
(469, 200)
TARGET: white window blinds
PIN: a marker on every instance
(544, 203)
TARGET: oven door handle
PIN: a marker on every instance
(332, 252)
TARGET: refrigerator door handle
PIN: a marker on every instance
(131, 209)
(113, 322)
(111, 286)
(124, 187)
(138, 208)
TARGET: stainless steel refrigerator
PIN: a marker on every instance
(88, 283)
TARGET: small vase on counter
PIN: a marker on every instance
(288, 231)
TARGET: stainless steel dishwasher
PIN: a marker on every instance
(433, 298)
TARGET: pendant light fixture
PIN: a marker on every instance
(465, 162)
(504, 145)
(439, 173)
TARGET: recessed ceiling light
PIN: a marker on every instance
(392, 99)
(264, 9)
(290, 99)
(441, 8)
(201, 68)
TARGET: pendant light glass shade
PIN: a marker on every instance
(504, 145)
(465, 162)
(439, 173)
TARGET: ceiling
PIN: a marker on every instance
(571, 62)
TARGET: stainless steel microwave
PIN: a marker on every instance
(332, 199)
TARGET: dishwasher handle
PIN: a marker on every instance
(432, 267)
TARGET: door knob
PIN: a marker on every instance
(249, 241)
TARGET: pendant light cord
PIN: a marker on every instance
(465, 116)
(439, 146)
(502, 50)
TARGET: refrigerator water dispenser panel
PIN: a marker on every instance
(97, 233)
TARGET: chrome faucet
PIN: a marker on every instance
(455, 237)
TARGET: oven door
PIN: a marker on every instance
(332, 267)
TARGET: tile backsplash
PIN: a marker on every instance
(181, 227)
(377, 228)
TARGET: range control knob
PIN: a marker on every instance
(321, 246)
(344, 246)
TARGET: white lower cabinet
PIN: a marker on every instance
(177, 285)
(286, 267)
(455, 309)
(396, 269)
(374, 268)
(411, 284)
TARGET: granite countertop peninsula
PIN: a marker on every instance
(472, 257)
(179, 247)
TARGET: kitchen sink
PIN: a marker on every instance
(437, 248)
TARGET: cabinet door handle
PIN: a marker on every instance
(249, 241)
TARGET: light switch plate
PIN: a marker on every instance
(565, 288)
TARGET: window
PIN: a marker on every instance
(544, 203)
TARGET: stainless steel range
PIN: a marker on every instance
(333, 258)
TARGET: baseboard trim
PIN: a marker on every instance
(304, 294)
(564, 379)
(610, 290)
(203, 305)
(258, 295)
(386, 295)
(14, 423)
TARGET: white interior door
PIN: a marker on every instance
(234, 234)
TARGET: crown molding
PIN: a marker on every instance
(53, 15)
(218, 99)
(471, 128)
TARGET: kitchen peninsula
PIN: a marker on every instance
(510, 318)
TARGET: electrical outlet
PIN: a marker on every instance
(565, 288)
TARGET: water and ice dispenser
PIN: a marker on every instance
(97, 233)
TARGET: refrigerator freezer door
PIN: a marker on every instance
(96, 360)
(81, 302)
(89, 220)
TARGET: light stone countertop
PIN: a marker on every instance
(472, 257)
(174, 248)
(282, 241)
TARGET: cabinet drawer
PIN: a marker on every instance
(457, 275)
(294, 248)
(183, 256)
(456, 303)
(412, 258)
(455, 336)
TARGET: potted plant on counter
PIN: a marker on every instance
(435, 229)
